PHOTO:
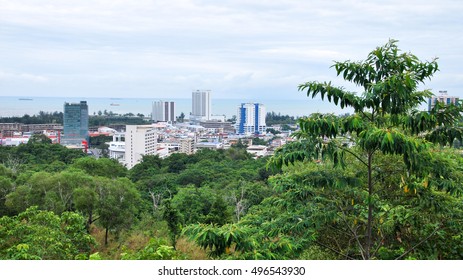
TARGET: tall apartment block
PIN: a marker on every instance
(163, 111)
(250, 119)
(75, 123)
(201, 105)
(442, 98)
(140, 140)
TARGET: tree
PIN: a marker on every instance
(6, 186)
(117, 204)
(48, 191)
(386, 123)
(104, 167)
(39, 138)
(149, 165)
(37, 234)
(258, 141)
(181, 118)
(173, 219)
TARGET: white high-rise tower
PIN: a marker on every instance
(163, 111)
(251, 119)
(201, 105)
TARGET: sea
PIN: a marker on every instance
(16, 106)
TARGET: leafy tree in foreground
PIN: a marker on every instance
(393, 151)
(36, 234)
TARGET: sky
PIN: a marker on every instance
(237, 49)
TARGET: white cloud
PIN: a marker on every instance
(22, 77)
(263, 47)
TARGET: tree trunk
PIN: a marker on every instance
(370, 207)
(106, 237)
(89, 221)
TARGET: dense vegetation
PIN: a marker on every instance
(382, 183)
(101, 119)
(273, 118)
(98, 209)
(41, 117)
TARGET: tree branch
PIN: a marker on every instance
(421, 242)
(354, 234)
(352, 153)
(334, 250)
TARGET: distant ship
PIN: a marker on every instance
(114, 104)
(25, 99)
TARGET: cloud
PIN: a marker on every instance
(22, 77)
(251, 47)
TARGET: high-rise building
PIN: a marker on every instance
(250, 119)
(140, 140)
(201, 105)
(75, 123)
(442, 98)
(163, 111)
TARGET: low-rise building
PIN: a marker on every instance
(186, 146)
(117, 148)
(209, 145)
(257, 150)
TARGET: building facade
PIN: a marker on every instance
(201, 105)
(140, 140)
(117, 148)
(75, 123)
(163, 111)
(218, 127)
(442, 98)
(250, 119)
(186, 146)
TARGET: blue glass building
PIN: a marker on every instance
(251, 119)
(75, 123)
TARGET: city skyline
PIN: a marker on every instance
(239, 49)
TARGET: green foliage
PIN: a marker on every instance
(258, 141)
(42, 117)
(156, 249)
(365, 209)
(48, 191)
(37, 152)
(117, 203)
(273, 118)
(219, 213)
(6, 186)
(50, 178)
(103, 167)
(99, 141)
(173, 219)
(39, 138)
(36, 234)
(112, 119)
(239, 241)
(149, 165)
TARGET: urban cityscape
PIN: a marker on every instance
(165, 135)
(226, 133)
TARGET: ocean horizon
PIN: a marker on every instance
(17, 106)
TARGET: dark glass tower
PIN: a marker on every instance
(75, 123)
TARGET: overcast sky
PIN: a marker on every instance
(235, 48)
